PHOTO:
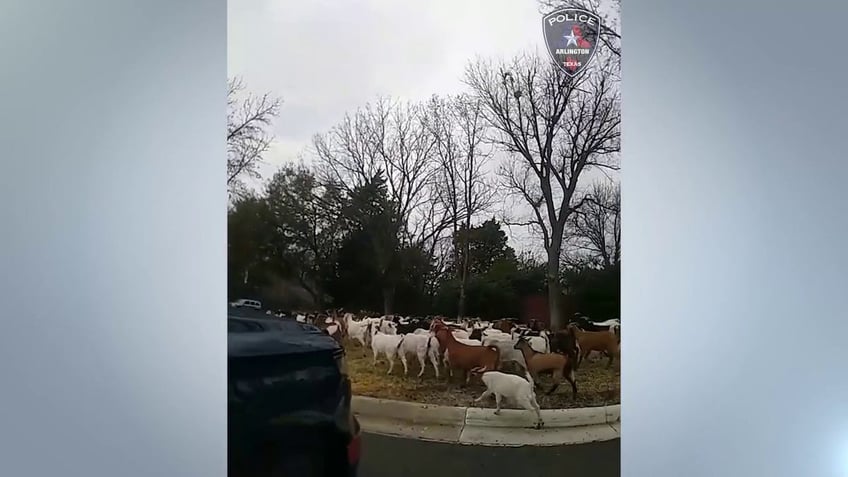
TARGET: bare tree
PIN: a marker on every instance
(608, 10)
(458, 128)
(248, 120)
(554, 129)
(389, 138)
(594, 230)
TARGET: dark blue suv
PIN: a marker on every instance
(289, 400)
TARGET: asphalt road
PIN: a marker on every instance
(396, 457)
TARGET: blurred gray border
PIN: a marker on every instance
(113, 239)
(733, 176)
(113, 225)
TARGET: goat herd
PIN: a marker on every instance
(478, 347)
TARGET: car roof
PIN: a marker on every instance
(276, 337)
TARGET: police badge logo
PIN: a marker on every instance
(571, 35)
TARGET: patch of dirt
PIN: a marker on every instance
(596, 385)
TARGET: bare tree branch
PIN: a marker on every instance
(553, 128)
(594, 229)
(249, 119)
(458, 129)
(386, 137)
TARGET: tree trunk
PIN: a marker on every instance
(388, 299)
(554, 288)
(315, 292)
(463, 280)
(460, 311)
(316, 297)
(555, 304)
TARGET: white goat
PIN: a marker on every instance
(388, 327)
(493, 332)
(422, 346)
(357, 329)
(513, 388)
(541, 343)
(388, 345)
(382, 324)
(371, 321)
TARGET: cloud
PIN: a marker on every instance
(325, 58)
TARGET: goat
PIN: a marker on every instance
(344, 321)
(357, 330)
(588, 341)
(422, 346)
(408, 327)
(536, 325)
(588, 325)
(504, 344)
(559, 365)
(336, 332)
(466, 357)
(382, 325)
(503, 325)
(312, 319)
(332, 327)
(565, 342)
(494, 333)
(513, 388)
(540, 343)
(388, 345)
(446, 355)
(388, 327)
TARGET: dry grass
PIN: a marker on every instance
(596, 385)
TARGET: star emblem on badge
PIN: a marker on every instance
(572, 39)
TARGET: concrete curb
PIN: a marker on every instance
(480, 426)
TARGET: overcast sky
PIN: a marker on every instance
(324, 58)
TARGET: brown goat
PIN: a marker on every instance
(603, 341)
(565, 342)
(559, 365)
(465, 357)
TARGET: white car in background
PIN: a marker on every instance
(256, 305)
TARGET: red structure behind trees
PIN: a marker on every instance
(536, 306)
